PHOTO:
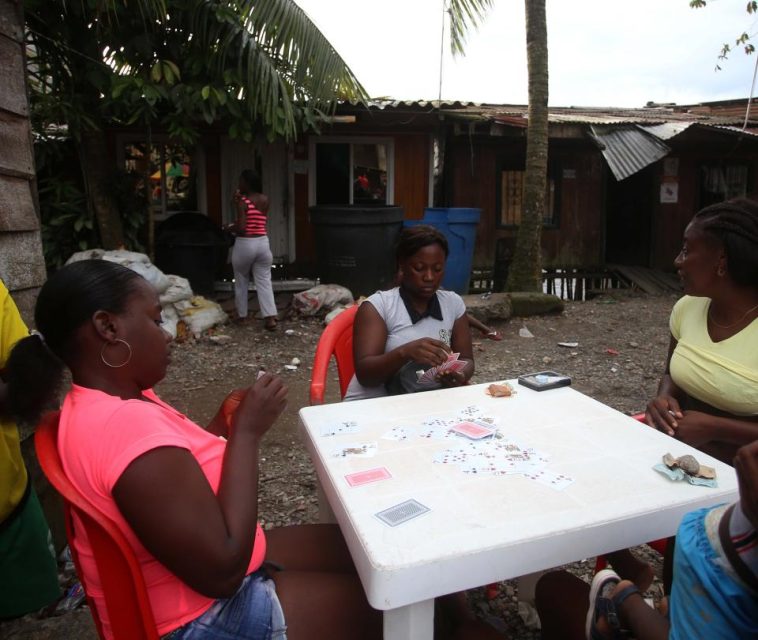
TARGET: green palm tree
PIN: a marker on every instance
(249, 65)
(525, 272)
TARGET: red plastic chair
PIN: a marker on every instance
(659, 545)
(337, 340)
(126, 599)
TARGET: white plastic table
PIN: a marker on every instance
(484, 528)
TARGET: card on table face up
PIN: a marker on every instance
(398, 433)
(473, 430)
(365, 477)
(355, 450)
(557, 481)
(339, 428)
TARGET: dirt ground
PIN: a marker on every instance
(622, 343)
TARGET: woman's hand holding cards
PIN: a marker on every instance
(427, 351)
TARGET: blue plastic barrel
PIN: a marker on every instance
(459, 226)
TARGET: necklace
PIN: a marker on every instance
(734, 324)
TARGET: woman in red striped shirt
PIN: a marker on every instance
(251, 252)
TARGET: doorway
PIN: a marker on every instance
(628, 218)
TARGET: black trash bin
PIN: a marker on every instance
(355, 245)
(191, 245)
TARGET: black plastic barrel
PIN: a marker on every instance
(355, 245)
(191, 245)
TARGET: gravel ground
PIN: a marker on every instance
(622, 346)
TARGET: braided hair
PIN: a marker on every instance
(734, 224)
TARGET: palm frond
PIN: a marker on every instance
(465, 15)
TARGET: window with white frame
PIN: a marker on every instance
(347, 170)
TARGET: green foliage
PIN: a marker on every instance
(132, 207)
(250, 65)
(67, 225)
(743, 40)
(465, 15)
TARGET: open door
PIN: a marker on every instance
(628, 218)
(271, 161)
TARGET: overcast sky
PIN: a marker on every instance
(602, 52)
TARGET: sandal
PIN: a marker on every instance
(603, 605)
(270, 324)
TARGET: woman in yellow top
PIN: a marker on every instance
(708, 396)
(27, 564)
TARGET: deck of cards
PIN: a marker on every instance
(474, 430)
(451, 364)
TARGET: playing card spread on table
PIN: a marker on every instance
(398, 433)
(355, 450)
(402, 512)
(436, 433)
(339, 428)
(557, 481)
(438, 422)
(368, 476)
(473, 430)
(495, 457)
(470, 412)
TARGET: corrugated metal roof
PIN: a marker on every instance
(667, 130)
(627, 149)
(649, 115)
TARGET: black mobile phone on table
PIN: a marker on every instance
(544, 380)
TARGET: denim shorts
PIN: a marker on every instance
(253, 613)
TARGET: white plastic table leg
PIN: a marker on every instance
(325, 513)
(414, 622)
(527, 585)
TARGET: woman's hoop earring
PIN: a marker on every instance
(116, 366)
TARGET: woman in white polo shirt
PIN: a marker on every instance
(411, 327)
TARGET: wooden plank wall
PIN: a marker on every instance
(670, 220)
(412, 174)
(578, 239)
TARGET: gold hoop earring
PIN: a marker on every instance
(116, 366)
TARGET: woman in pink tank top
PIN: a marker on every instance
(184, 496)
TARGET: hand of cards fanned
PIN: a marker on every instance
(451, 364)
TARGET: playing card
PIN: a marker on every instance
(473, 430)
(355, 450)
(402, 512)
(436, 433)
(469, 412)
(365, 477)
(557, 481)
(439, 421)
(339, 428)
(398, 433)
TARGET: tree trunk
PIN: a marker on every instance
(96, 169)
(525, 272)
